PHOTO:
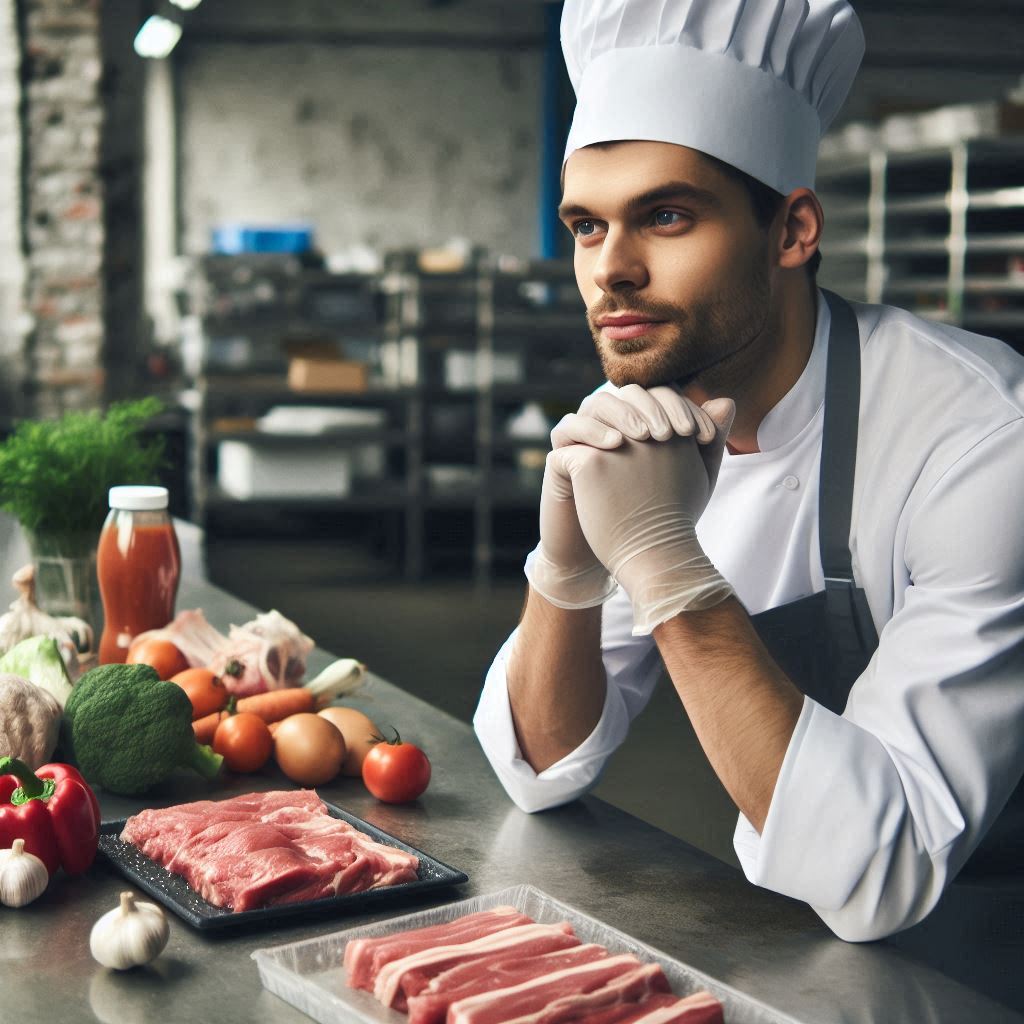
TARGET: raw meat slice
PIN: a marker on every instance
(521, 947)
(527, 940)
(629, 988)
(337, 841)
(530, 997)
(365, 957)
(661, 1008)
(261, 849)
(159, 832)
(245, 871)
(700, 1008)
(630, 1013)
(247, 866)
(430, 1006)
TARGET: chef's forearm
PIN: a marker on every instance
(556, 680)
(742, 706)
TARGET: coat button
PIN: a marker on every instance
(791, 483)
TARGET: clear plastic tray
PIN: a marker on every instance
(309, 974)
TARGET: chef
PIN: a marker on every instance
(807, 511)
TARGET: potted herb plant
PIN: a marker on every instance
(54, 479)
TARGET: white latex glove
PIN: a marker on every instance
(562, 568)
(638, 506)
(638, 414)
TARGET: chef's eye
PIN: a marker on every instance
(584, 228)
(668, 218)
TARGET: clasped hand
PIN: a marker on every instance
(624, 485)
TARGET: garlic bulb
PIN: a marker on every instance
(25, 618)
(23, 876)
(130, 935)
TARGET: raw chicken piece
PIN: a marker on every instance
(192, 635)
(268, 653)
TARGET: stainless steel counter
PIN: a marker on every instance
(963, 965)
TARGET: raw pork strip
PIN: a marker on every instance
(700, 1008)
(430, 1006)
(661, 1008)
(626, 989)
(530, 997)
(263, 849)
(526, 940)
(365, 957)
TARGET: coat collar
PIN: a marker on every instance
(792, 414)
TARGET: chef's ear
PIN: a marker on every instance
(802, 221)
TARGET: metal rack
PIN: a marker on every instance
(452, 467)
(939, 231)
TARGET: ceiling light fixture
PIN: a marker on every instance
(187, 5)
(157, 37)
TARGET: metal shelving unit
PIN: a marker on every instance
(456, 354)
(939, 231)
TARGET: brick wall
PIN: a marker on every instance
(80, 145)
(12, 269)
(63, 199)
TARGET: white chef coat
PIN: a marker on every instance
(876, 810)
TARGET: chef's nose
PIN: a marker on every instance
(620, 263)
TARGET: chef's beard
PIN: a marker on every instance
(699, 344)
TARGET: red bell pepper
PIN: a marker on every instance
(53, 810)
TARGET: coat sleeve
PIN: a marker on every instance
(632, 667)
(875, 811)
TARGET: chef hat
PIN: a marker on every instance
(752, 82)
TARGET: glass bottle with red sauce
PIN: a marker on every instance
(138, 564)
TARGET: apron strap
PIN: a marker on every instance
(846, 601)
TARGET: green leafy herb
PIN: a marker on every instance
(55, 474)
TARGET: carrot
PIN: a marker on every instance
(271, 706)
(341, 677)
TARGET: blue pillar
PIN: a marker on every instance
(552, 134)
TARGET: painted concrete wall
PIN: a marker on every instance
(305, 111)
(377, 143)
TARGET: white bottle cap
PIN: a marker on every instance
(137, 498)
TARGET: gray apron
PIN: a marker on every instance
(825, 641)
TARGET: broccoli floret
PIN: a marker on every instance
(128, 730)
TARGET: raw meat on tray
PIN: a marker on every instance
(412, 974)
(266, 849)
(430, 1006)
(564, 995)
(365, 957)
(501, 967)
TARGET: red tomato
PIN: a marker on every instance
(396, 772)
(160, 654)
(244, 741)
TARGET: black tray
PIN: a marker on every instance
(174, 892)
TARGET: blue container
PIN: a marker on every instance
(233, 239)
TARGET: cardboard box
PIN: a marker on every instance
(327, 376)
